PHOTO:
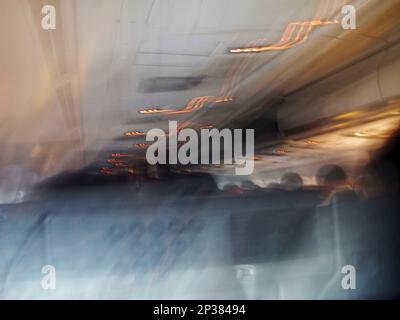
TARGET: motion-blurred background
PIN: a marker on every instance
(77, 193)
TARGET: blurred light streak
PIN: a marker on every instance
(113, 161)
(135, 134)
(194, 104)
(295, 33)
(154, 110)
(121, 155)
(347, 115)
(312, 142)
(141, 145)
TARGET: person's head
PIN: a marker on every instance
(292, 180)
(366, 186)
(331, 177)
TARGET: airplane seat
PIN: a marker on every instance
(378, 225)
(273, 233)
(348, 229)
(281, 229)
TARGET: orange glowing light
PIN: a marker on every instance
(280, 152)
(141, 145)
(360, 134)
(194, 104)
(221, 100)
(312, 142)
(106, 170)
(120, 155)
(113, 161)
(154, 110)
(347, 115)
(295, 33)
(134, 134)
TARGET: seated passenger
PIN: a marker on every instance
(333, 180)
(292, 181)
